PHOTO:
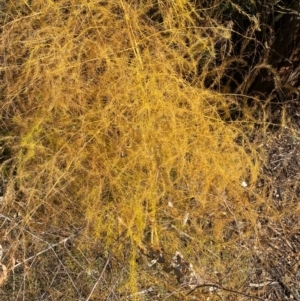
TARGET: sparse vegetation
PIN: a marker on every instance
(130, 132)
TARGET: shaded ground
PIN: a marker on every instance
(276, 264)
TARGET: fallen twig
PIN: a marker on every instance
(257, 285)
(216, 286)
(95, 285)
(277, 277)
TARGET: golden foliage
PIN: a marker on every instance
(113, 129)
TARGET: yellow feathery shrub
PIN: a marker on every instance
(112, 129)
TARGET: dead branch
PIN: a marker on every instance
(95, 285)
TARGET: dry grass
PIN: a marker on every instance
(112, 130)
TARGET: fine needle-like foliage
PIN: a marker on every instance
(112, 130)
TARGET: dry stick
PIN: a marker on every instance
(282, 283)
(284, 286)
(288, 289)
(95, 285)
(224, 289)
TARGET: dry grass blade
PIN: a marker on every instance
(3, 274)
